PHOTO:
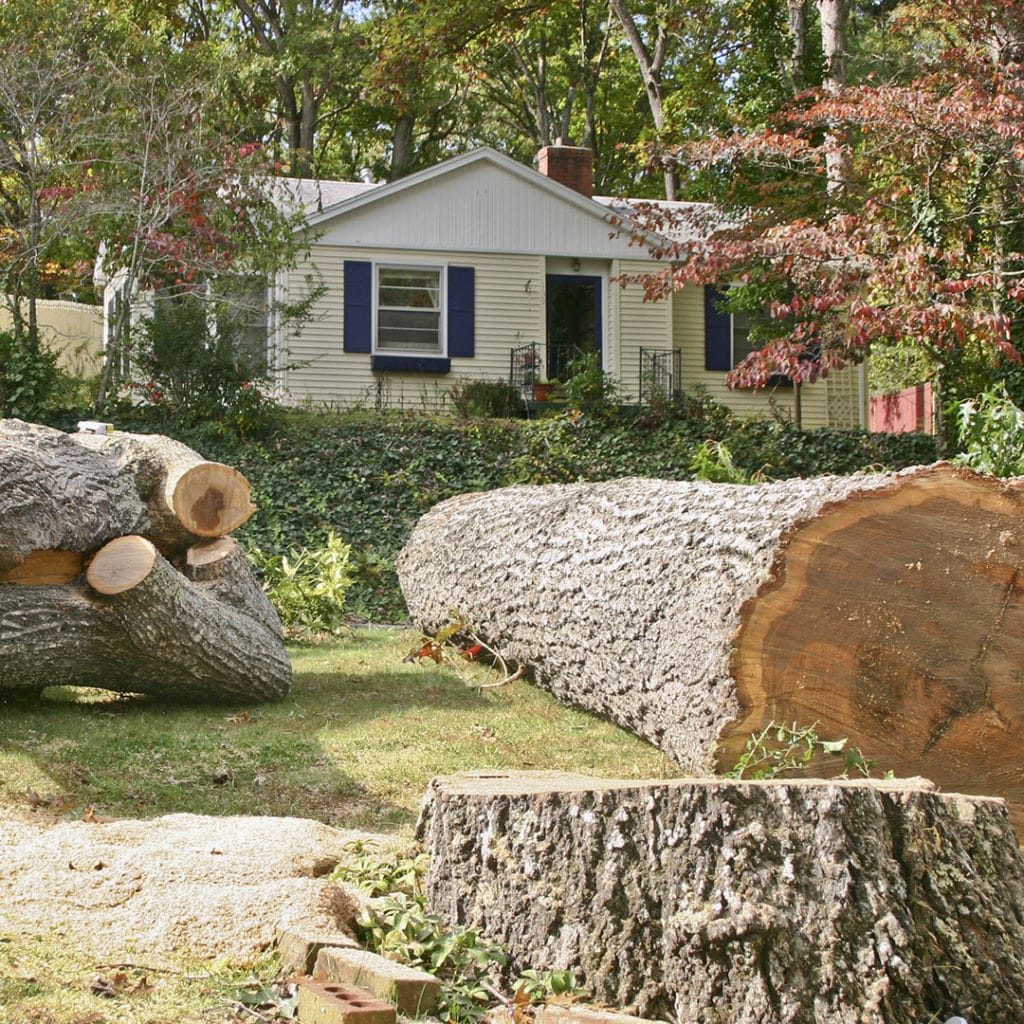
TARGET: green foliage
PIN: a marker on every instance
(29, 377)
(192, 361)
(591, 389)
(541, 986)
(779, 750)
(713, 461)
(398, 925)
(308, 587)
(991, 431)
(488, 399)
(372, 872)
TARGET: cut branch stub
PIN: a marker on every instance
(39, 568)
(211, 499)
(120, 565)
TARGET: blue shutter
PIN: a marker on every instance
(717, 332)
(358, 330)
(461, 312)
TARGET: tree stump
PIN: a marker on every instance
(868, 902)
(887, 608)
(105, 579)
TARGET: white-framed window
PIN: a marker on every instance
(408, 310)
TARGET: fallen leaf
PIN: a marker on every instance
(90, 815)
(102, 987)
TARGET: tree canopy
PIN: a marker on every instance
(887, 211)
(863, 156)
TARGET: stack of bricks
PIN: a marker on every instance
(340, 983)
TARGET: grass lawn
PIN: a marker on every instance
(354, 745)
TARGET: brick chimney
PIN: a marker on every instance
(570, 165)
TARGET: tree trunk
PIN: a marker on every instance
(797, 16)
(651, 64)
(87, 597)
(834, 19)
(74, 492)
(403, 146)
(740, 902)
(887, 608)
(136, 625)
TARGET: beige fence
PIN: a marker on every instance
(71, 329)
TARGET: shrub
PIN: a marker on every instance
(308, 587)
(589, 388)
(991, 431)
(486, 399)
(191, 360)
(29, 377)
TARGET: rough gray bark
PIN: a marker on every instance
(741, 902)
(165, 636)
(75, 492)
(106, 504)
(885, 607)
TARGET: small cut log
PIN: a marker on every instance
(886, 608)
(134, 624)
(869, 902)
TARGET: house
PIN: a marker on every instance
(481, 267)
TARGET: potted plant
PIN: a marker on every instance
(542, 389)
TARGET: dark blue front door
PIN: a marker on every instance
(574, 320)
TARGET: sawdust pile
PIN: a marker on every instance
(212, 886)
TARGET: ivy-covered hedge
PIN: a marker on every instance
(370, 477)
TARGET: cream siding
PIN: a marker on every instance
(479, 208)
(640, 324)
(509, 297)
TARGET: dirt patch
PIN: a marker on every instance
(213, 886)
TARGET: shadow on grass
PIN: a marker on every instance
(142, 756)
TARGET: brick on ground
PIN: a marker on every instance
(414, 992)
(328, 1002)
(298, 947)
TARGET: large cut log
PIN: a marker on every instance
(134, 624)
(742, 902)
(74, 492)
(888, 608)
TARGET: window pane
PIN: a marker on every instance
(409, 310)
(408, 330)
(409, 289)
